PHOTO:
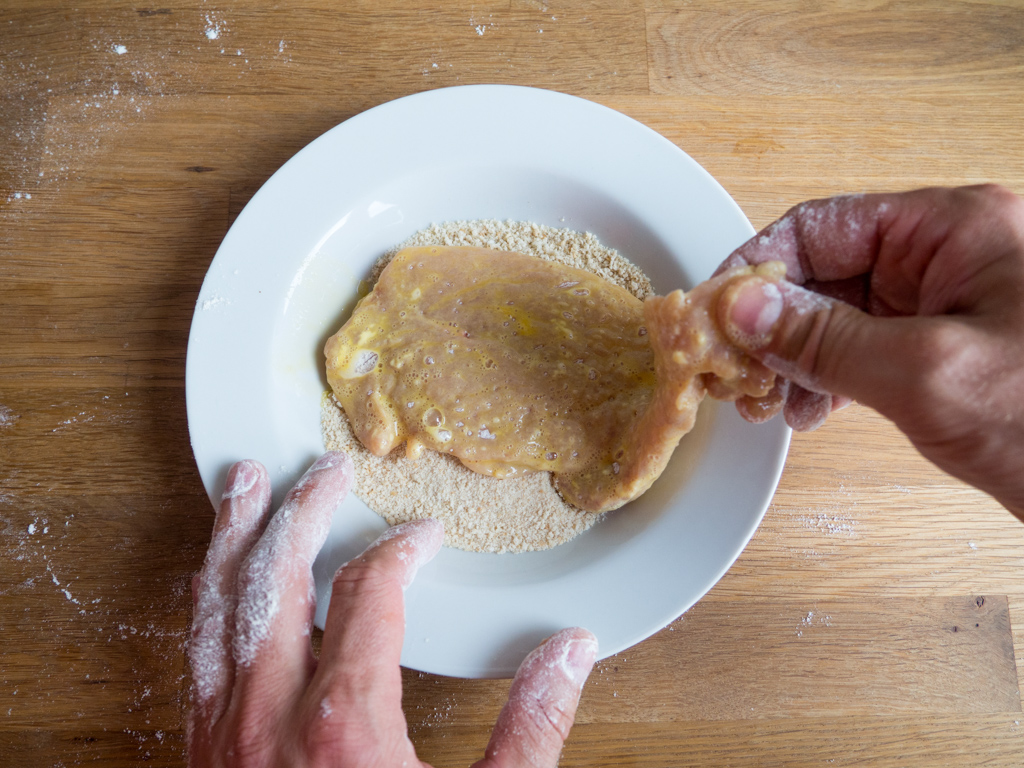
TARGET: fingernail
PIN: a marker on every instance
(241, 478)
(582, 655)
(328, 460)
(754, 309)
(425, 533)
(421, 541)
(578, 654)
(336, 460)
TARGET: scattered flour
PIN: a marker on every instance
(214, 27)
(479, 513)
(812, 619)
(835, 524)
(209, 649)
(7, 416)
(478, 27)
(53, 125)
(325, 707)
(214, 302)
(233, 617)
(285, 552)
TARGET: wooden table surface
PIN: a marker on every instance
(871, 620)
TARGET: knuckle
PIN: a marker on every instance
(324, 739)
(813, 335)
(949, 395)
(946, 363)
(995, 194)
(828, 329)
(551, 721)
(559, 721)
(361, 577)
(248, 744)
(328, 735)
(993, 202)
(1009, 209)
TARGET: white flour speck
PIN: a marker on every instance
(325, 707)
(214, 27)
(480, 29)
(263, 573)
(832, 524)
(61, 588)
(119, 49)
(812, 619)
(213, 302)
(7, 416)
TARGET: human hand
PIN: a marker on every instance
(912, 304)
(260, 697)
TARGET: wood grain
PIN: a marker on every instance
(830, 641)
(985, 740)
(881, 48)
(749, 659)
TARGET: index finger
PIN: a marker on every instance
(831, 239)
(535, 722)
(893, 242)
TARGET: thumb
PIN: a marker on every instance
(541, 707)
(822, 344)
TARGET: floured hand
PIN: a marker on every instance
(261, 698)
(912, 304)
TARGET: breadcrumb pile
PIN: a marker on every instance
(480, 514)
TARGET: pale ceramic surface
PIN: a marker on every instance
(286, 276)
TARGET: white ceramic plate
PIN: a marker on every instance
(286, 276)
